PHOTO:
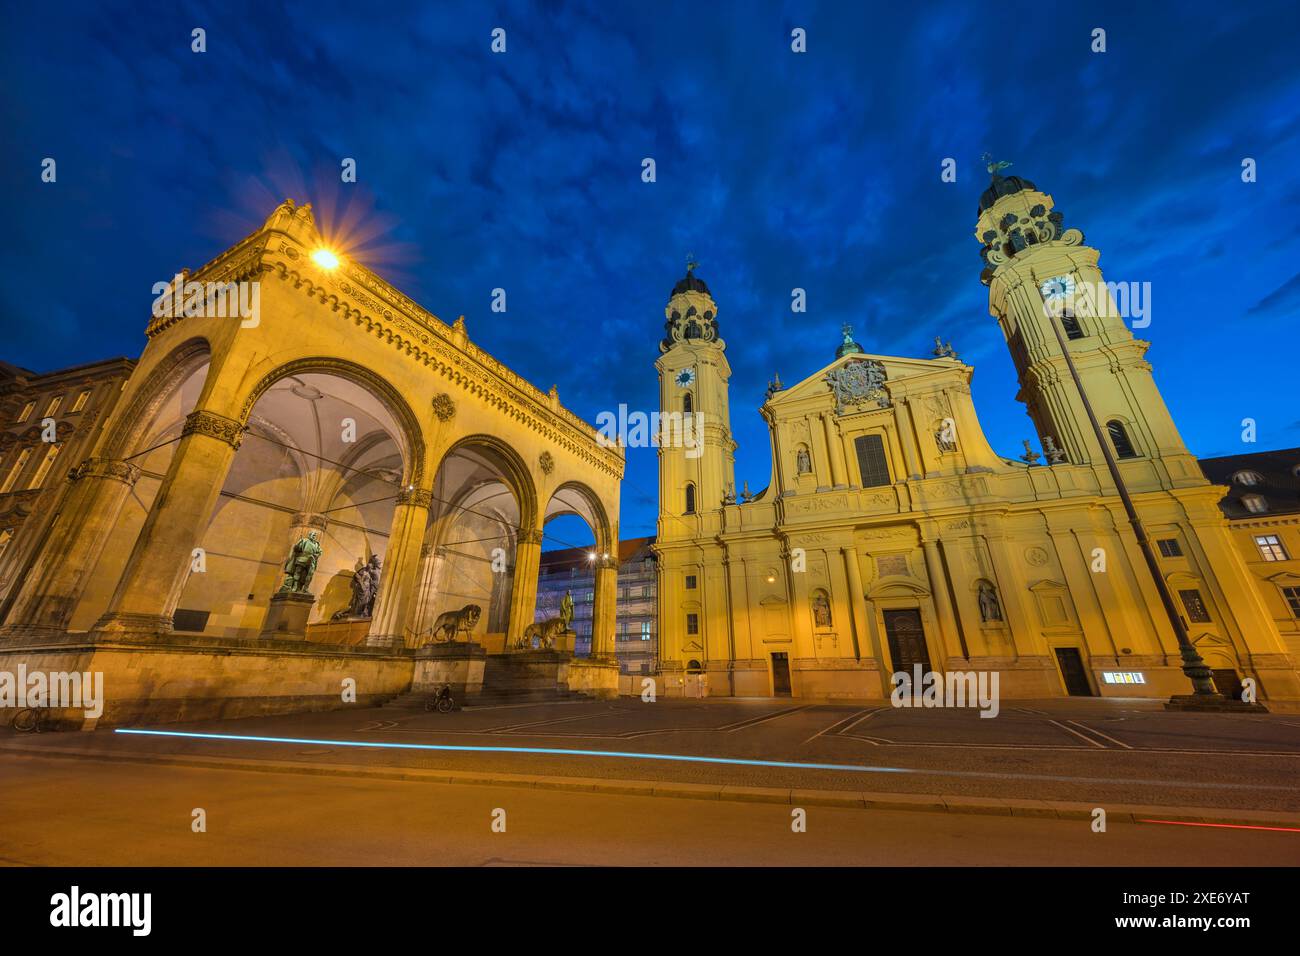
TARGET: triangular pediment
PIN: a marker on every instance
(896, 369)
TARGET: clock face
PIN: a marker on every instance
(685, 378)
(1058, 287)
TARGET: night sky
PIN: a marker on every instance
(776, 170)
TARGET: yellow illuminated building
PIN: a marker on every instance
(891, 535)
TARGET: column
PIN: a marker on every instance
(86, 516)
(399, 579)
(857, 597)
(160, 561)
(1026, 636)
(604, 611)
(942, 599)
(835, 452)
(907, 440)
(523, 594)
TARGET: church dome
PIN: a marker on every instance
(690, 283)
(1003, 186)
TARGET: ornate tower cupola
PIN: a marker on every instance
(691, 313)
(696, 466)
(1043, 279)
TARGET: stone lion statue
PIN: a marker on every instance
(545, 631)
(451, 623)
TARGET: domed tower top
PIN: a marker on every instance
(691, 312)
(1014, 215)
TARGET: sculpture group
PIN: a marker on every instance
(365, 588)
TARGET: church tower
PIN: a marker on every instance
(697, 455)
(1040, 273)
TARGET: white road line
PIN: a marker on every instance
(755, 721)
(1077, 734)
(843, 724)
(1093, 730)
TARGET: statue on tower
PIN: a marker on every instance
(301, 564)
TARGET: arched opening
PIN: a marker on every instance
(322, 455)
(577, 541)
(688, 404)
(1119, 438)
(482, 497)
(690, 499)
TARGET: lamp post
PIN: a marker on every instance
(1203, 692)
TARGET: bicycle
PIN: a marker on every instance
(441, 701)
(27, 721)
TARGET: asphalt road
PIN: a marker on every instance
(56, 811)
(1097, 751)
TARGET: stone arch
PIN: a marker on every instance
(413, 454)
(572, 498)
(512, 468)
(134, 421)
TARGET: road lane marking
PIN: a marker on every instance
(844, 724)
(761, 719)
(1057, 723)
(1093, 730)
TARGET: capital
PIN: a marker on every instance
(122, 471)
(415, 497)
(214, 426)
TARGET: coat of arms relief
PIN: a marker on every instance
(857, 383)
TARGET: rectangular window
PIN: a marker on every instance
(872, 463)
(1270, 547)
(25, 413)
(1170, 548)
(53, 407)
(645, 630)
(44, 469)
(645, 591)
(1292, 596)
(692, 624)
(690, 582)
(16, 470)
(189, 620)
(80, 403)
(1196, 611)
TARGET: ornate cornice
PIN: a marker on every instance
(213, 426)
(387, 313)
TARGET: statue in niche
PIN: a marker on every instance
(945, 437)
(301, 564)
(821, 609)
(990, 609)
(803, 461)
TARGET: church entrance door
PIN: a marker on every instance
(906, 640)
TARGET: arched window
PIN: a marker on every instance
(1071, 326)
(690, 499)
(1246, 478)
(1119, 438)
(688, 403)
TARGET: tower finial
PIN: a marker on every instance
(691, 263)
(995, 168)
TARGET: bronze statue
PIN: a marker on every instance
(365, 588)
(566, 611)
(301, 565)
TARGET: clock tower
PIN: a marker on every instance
(1040, 273)
(697, 454)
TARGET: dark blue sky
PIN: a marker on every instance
(776, 170)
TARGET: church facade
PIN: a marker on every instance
(891, 535)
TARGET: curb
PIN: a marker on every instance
(845, 799)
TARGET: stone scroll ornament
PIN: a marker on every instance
(858, 383)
